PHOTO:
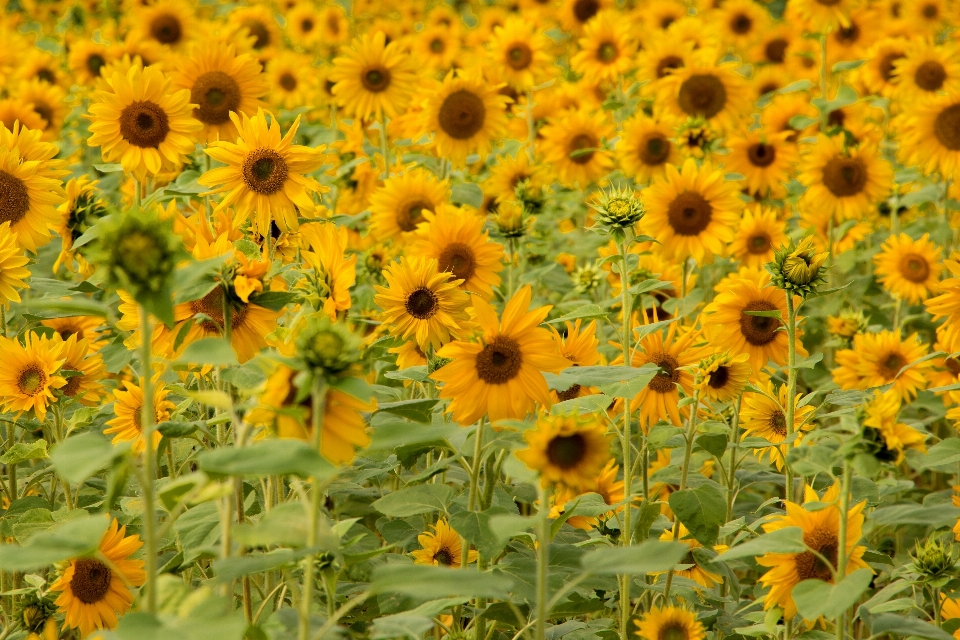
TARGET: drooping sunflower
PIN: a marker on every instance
(169, 22)
(821, 529)
(705, 89)
(579, 346)
(574, 145)
(877, 358)
(724, 377)
(909, 269)
(142, 124)
(373, 78)
(699, 574)
(399, 205)
(761, 417)
(606, 50)
(13, 263)
(765, 159)
(645, 149)
(465, 114)
(519, 52)
(670, 623)
(442, 547)
(760, 233)
(847, 182)
(930, 135)
(95, 590)
(692, 211)
(128, 407)
(220, 81)
(501, 374)
(889, 438)
(456, 239)
(333, 272)
(567, 450)
(265, 174)
(88, 370)
(926, 70)
(30, 373)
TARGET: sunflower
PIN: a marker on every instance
(573, 144)
(607, 487)
(435, 47)
(464, 113)
(692, 211)
(334, 24)
(399, 205)
(303, 25)
(926, 16)
(13, 263)
(930, 136)
(645, 149)
(730, 327)
(759, 234)
(947, 304)
(662, 55)
(765, 159)
(821, 15)
(171, 23)
(291, 80)
(606, 48)
(409, 355)
(660, 15)
(500, 375)
(724, 377)
(877, 358)
(13, 111)
(575, 14)
(509, 172)
(705, 89)
(442, 547)
(95, 590)
(265, 175)
(87, 59)
(128, 407)
(373, 79)
(249, 323)
(333, 274)
(258, 23)
(909, 269)
(43, 66)
(821, 534)
(927, 70)
(84, 327)
(456, 239)
(877, 73)
(30, 373)
(48, 101)
(519, 53)
(890, 438)
(774, 45)
(30, 185)
(579, 346)
(777, 116)
(847, 183)
(567, 450)
(741, 22)
(220, 82)
(761, 417)
(854, 40)
(702, 576)
(88, 370)
(670, 623)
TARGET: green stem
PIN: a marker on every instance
(626, 535)
(513, 262)
(11, 468)
(136, 195)
(732, 471)
(149, 459)
(475, 468)
(383, 148)
(842, 540)
(896, 313)
(531, 130)
(791, 387)
(314, 505)
(543, 559)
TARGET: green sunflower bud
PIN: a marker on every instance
(934, 561)
(798, 269)
(618, 211)
(328, 347)
(510, 219)
(139, 252)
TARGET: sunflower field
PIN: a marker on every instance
(480, 319)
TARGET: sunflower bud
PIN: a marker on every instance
(933, 561)
(798, 269)
(139, 252)
(328, 347)
(35, 612)
(435, 362)
(847, 324)
(510, 219)
(529, 196)
(587, 277)
(618, 211)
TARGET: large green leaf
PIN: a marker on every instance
(267, 458)
(815, 598)
(786, 540)
(651, 556)
(411, 501)
(74, 537)
(82, 456)
(428, 582)
(702, 510)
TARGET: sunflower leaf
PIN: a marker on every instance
(702, 511)
(71, 538)
(412, 501)
(786, 540)
(651, 556)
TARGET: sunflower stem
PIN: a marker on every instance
(791, 387)
(475, 468)
(842, 540)
(531, 131)
(543, 558)
(734, 452)
(136, 195)
(149, 458)
(318, 396)
(896, 313)
(383, 148)
(11, 468)
(626, 536)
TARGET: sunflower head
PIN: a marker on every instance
(567, 450)
(510, 219)
(139, 252)
(618, 211)
(328, 347)
(934, 561)
(798, 269)
(34, 612)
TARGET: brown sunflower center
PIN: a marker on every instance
(930, 75)
(46, 75)
(411, 214)
(895, 9)
(583, 10)
(673, 630)
(569, 394)
(778, 423)
(31, 381)
(567, 452)
(667, 64)
(144, 124)
(519, 56)
(217, 94)
(719, 377)
(848, 35)
(306, 25)
(264, 171)
(288, 81)
(758, 330)
(462, 114)
(582, 148)
(72, 387)
(95, 63)
(946, 127)
(259, 31)
(333, 24)
(914, 268)
(14, 198)
(886, 64)
(166, 29)
(211, 305)
(444, 557)
(422, 303)
(810, 566)
(458, 259)
(437, 45)
(702, 94)
(758, 244)
(828, 3)
(607, 52)
(45, 111)
(375, 79)
(500, 361)
(890, 365)
(930, 11)
(665, 381)
(689, 214)
(845, 177)
(91, 580)
(952, 365)
(655, 149)
(761, 155)
(776, 50)
(741, 24)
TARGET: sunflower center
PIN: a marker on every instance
(891, 364)
(895, 9)
(810, 566)
(444, 557)
(758, 244)
(930, 75)
(260, 33)
(673, 631)
(91, 580)
(519, 56)
(848, 35)
(458, 259)
(741, 24)
(828, 3)
(166, 29)
(914, 267)
(500, 361)
(437, 45)
(758, 330)
(411, 214)
(655, 150)
(462, 114)
(211, 305)
(761, 155)
(217, 94)
(776, 50)
(607, 52)
(72, 387)
(14, 198)
(581, 148)
(778, 423)
(952, 365)
(583, 10)
(719, 377)
(144, 124)
(930, 11)
(375, 79)
(566, 452)
(44, 111)
(689, 214)
(333, 24)
(31, 381)
(264, 171)
(306, 25)
(845, 176)
(288, 82)
(665, 381)
(569, 394)
(667, 64)
(45, 75)
(885, 66)
(95, 63)
(422, 303)
(947, 127)
(702, 94)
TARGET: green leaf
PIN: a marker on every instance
(633, 386)
(713, 443)
(467, 193)
(419, 410)
(22, 451)
(411, 501)
(199, 530)
(474, 526)
(945, 452)
(267, 458)
(412, 624)
(702, 510)
(429, 582)
(786, 540)
(848, 65)
(773, 313)
(651, 556)
(815, 598)
(180, 429)
(889, 623)
(195, 279)
(798, 85)
(387, 436)
(112, 167)
(73, 537)
(273, 300)
(228, 569)
(917, 514)
(284, 524)
(416, 374)
(82, 456)
(586, 312)
(212, 351)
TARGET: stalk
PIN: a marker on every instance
(306, 595)
(791, 385)
(732, 474)
(842, 541)
(543, 558)
(11, 468)
(149, 459)
(626, 535)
